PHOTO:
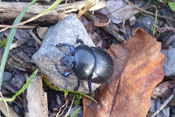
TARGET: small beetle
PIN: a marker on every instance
(88, 63)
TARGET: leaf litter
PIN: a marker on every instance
(138, 69)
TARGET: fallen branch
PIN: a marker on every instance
(10, 10)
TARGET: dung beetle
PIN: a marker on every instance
(88, 63)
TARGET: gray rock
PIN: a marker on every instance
(145, 22)
(65, 31)
(169, 63)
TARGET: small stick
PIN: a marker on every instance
(150, 13)
(70, 106)
(163, 105)
(166, 28)
(107, 27)
(35, 37)
(52, 17)
(66, 103)
(21, 27)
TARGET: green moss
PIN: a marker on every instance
(3, 43)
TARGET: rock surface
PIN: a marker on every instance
(66, 31)
(145, 22)
(169, 63)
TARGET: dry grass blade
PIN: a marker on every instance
(86, 7)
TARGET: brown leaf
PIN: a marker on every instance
(126, 12)
(163, 90)
(138, 68)
(102, 20)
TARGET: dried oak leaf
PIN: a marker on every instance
(163, 90)
(101, 19)
(138, 69)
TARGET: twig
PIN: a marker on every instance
(22, 27)
(35, 37)
(70, 106)
(35, 10)
(163, 105)
(165, 28)
(10, 87)
(58, 114)
(150, 13)
(65, 6)
(109, 28)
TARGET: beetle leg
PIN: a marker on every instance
(80, 41)
(90, 87)
(62, 44)
(67, 73)
(72, 49)
(58, 69)
(78, 84)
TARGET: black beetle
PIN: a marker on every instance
(88, 63)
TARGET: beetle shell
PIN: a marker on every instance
(92, 64)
